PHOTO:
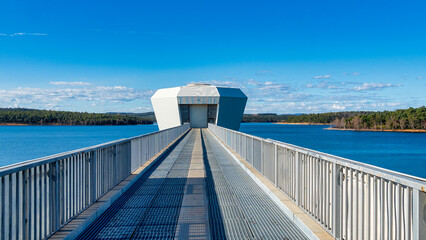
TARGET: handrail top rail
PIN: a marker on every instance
(16, 167)
(402, 178)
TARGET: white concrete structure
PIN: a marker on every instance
(199, 104)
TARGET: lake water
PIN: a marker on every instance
(20, 143)
(403, 152)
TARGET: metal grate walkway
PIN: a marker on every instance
(197, 191)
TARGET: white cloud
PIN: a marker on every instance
(280, 97)
(338, 107)
(263, 96)
(71, 83)
(420, 77)
(22, 34)
(374, 86)
(218, 83)
(46, 98)
(326, 85)
(351, 86)
(256, 90)
(318, 105)
(322, 76)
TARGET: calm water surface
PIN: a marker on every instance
(20, 143)
(403, 152)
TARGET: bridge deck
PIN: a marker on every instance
(196, 192)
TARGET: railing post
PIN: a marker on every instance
(87, 163)
(54, 196)
(116, 174)
(261, 157)
(336, 201)
(276, 163)
(93, 177)
(25, 200)
(297, 197)
(252, 152)
(60, 192)
(419, 214)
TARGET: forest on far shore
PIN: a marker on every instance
(49, 117)
(402, 119)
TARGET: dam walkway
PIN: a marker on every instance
(197, 191)
(210, 183)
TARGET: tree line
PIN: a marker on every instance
(50, 117)
(411, 118)
(264, 117)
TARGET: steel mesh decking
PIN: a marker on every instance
(150, 208)
(240, 208)
(237, 207)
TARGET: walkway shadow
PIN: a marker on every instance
(93, 229)
(217, 228)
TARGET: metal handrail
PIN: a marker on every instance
(4, 170)
(39, 196)
(340, 194)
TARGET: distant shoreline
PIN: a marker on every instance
(379, 130)
(302, 123)
(13, 124)
(57, 124)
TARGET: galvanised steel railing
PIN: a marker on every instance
(349, 199)
(39, 196)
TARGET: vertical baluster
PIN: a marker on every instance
(326, 189)
(30, 203)
(17, 198)
(67, 189)
(319, 190)
(329, 192)
(37, 204)
(314, 187)
(356, 205)
(337, 201)
(8, 207)
(68, 181)
(375, 209)
(81, 182)
(368, 205)
(362, 200)
(390, 210)
(398, 215)
(351, 203)
(346, 203)
(73, 184)
(306, 182)
(57, 198)
(275, 165)
(2, 208)
(25, 204)
(42, 209)
(410, 212)
(406, 213)
(382, 209)
(310, 176)
(322, 192)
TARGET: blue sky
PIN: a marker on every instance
(288, 57)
